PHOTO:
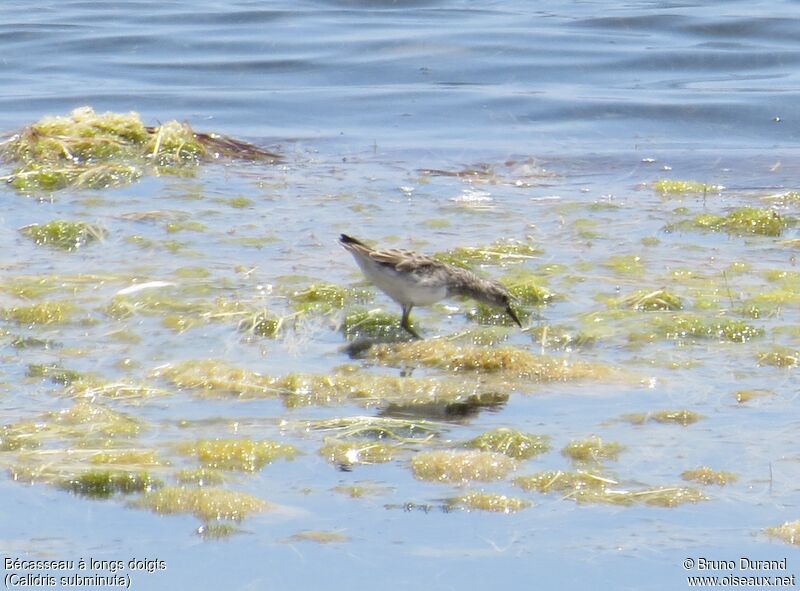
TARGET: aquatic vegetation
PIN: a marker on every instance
(245, 455)
(592, 449)
(401, 430)
(625, 264)
(105, 483)
(488, 315)
(42, 313)
(134, 457)
(779, 357)
(559, 481)
(669, 187)
(483, 336)
(365, 489)
(93, 388)
(681, 327)
(788, 532)
(319, 537)
(218, 531)
(181, 313)
(348, 453)
(53, 372)
(372, 389)
(89, 420)
(64, 234)
(584, 487)
(529, 291)
(677, 417)
(747, 220)
(745, 396)
(647, 301)
(200, 476)
(705, 475)
(325, 297)
(262, 324)
(483, 501)
(561, 338)
(101, 150)
(512, 443)
(461, 466)
(217, 377)
(513, 362)
(374, 324)
(185, 226)
(205, 503)
(499, 253)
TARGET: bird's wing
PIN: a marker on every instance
(404, 260)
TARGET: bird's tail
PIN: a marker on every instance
(345, 240)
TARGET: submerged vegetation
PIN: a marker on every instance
(668, 187)
(743, 221)
(508, 361)
(586, 487)
(514, 444)
(101, 150)
(208, 503)
(483, 501)
(64, 234)
(461, 466)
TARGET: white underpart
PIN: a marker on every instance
(403, 287)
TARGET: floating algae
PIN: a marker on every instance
(705, 475)
(593, 449)
(681, 327)
(788, 532)
(218, 531)
(509, 361)
(318, 537)
(461, 466)
(324, 298)
(499, 253)
(488, 315)
(374, 324)
(102, 150)
(402, 430)
(53, 372)
(105, 483)
(584, 487)
(134, 457)
(668, 187)
(648, 301)
(677, 417)
(483, 501)
(245, 455)
(747, 220)
(42, 313)
(216, 377)
(745, 396)
(64, 234)
(205, 503)
(200, 476)
(779, 357)
(625, 264)
(348, 453)
(559, 481)
(512, 443)
(561, 338)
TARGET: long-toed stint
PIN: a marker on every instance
(413, 279)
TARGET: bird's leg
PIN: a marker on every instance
(510, 312)
(406, 324)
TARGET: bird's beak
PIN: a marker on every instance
(513, 315)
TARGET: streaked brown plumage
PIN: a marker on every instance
(413, 279)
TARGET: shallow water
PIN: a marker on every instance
(573, 109)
